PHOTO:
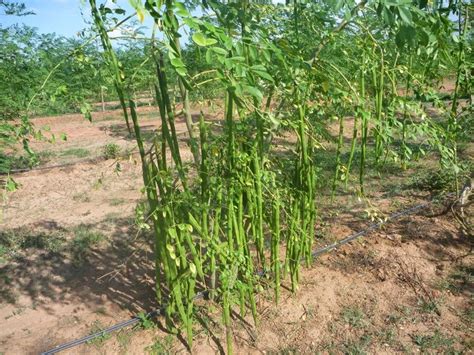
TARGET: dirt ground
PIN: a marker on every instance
(76, 264)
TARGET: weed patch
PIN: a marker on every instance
(111, 151)
(436, 341)
(84, 240)
(75, 152)
(354, 316)
(14, 243)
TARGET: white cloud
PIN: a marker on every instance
(116, 33)
(110, 4)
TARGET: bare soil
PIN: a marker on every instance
(405, 288)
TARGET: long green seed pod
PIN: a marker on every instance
(364, 127)
(340, 141)
(259, 237)
(405, 115)
(378, 82)
(276, 243)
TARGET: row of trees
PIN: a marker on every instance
(78, 75)
(47, 74)
(42, 74)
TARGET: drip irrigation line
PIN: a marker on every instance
(58, 166)
(39, 168)
(203, 294)
(88, 338)
(116, 327)
(372, 227)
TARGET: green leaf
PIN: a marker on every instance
(258, 67)
(406, 35)
(201, 40)
(182, 226)
(186, 84)
(11, 185)
(219, 50)
(85, 110)
(209, 56)
(254, 92)
(266, 54)
(181, 71)
(455, 37)
(387, 16)
(338, 5)
(252, 54)
(177, 63)
(173, 234)
(347, 15)
(238, 59)
(138, 7)
(405, 15)
(325, 86)
(181, 9)
(192, 268)
(274, 121)
(264, 75)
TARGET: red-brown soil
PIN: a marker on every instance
(405, 288)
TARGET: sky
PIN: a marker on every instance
(63, 17)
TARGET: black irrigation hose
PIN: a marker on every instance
(203, 294)
(118, 326)
(372, 227)
(39, 168)
(49, 167)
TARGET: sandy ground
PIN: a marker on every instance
(406, 288)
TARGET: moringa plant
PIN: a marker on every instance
(241, 215)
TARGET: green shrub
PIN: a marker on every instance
(111, 151)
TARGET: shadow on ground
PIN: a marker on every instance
(50, 268)
(119, 130)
